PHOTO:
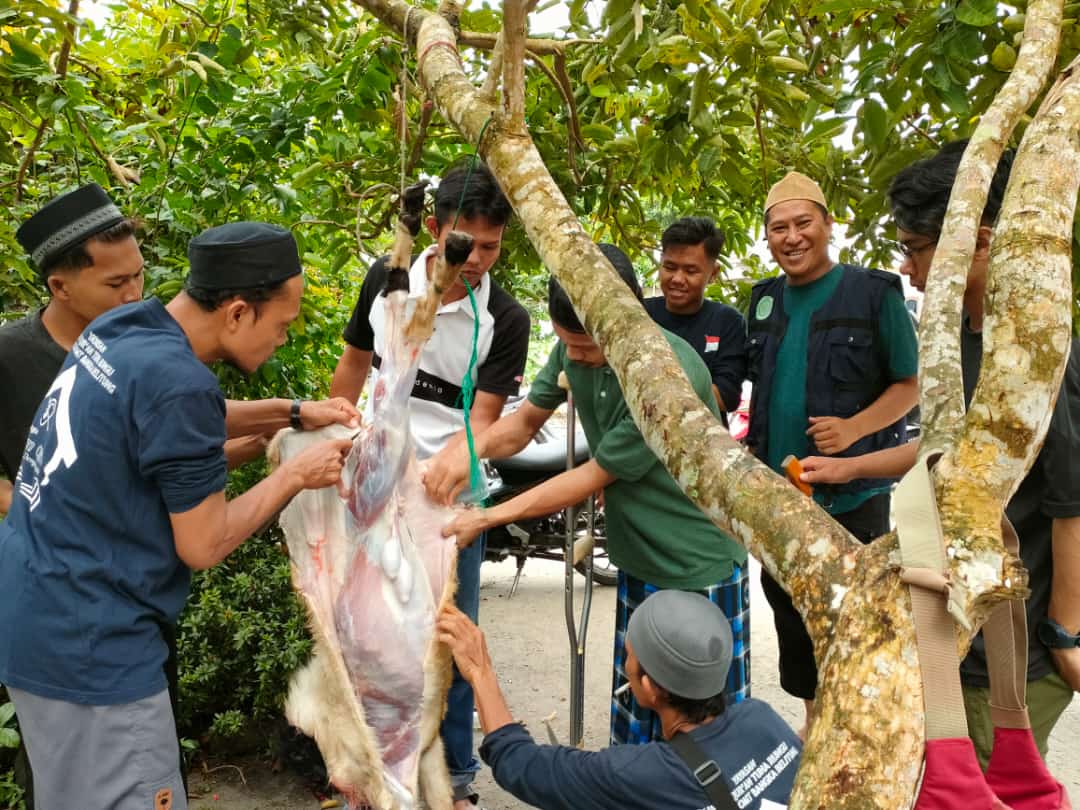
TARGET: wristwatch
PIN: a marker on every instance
(294, 415)
(1054, 636)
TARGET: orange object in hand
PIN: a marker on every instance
(793, 470)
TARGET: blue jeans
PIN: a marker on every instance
(457, 725)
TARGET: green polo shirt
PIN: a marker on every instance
(654, 531)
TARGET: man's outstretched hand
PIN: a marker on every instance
(826, 470)
(466, 642)
(466, 526)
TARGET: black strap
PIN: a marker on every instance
(431, 388)
(705, 771)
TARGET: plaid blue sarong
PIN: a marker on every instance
(634, 724)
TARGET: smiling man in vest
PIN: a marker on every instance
(832, 355)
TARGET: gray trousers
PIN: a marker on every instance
(122, 757)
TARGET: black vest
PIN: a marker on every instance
(846, 364)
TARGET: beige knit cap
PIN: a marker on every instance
(795, 186)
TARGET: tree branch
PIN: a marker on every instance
(712, 467)
(940, 380)
(515, 27)
(541, 46)
(568, 97)
(761, 143)
(427, 110)
(1027, 333)
(489, 91)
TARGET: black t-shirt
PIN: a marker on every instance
(1051, 490)
(29, 362)
(718, 333)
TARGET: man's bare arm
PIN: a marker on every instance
(832, 434)
(565, 489)
(208, 533)
(241, 450)
(351, 373)
(6, 491)
(892, 462)
(1065, 594)
(470, 652)
(447, 472)
(244, 418)
(486, 411)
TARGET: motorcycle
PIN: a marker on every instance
(545, 537)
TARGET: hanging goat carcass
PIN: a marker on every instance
(373, 569)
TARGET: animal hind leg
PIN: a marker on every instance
(435, 787)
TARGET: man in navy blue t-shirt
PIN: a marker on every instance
(120, 493)
(689, 250)
(678, 653)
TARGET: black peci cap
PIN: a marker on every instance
(241, 256)
(66, 221)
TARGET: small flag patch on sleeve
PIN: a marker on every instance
(712, 343)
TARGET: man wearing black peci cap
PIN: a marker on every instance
(679, 649)
(85, 251)
(119, 493)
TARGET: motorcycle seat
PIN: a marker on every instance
(544, 456)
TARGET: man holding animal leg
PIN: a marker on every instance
(658, 538)
(678, 651)
(120, 492)
(1045, 510)
(468, 200)
(688, 265)
(831, 352)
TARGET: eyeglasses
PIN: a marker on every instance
(906, 251)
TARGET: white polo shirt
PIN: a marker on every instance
(501, 350)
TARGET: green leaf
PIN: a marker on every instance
(7, 711)
(9, 738)
(600, 90)
(699, 95)
(825, 129)
(875, 123)
(978, 13)
(737, 118)
(597, 132)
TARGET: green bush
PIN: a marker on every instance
(11, 795)
(241, 637)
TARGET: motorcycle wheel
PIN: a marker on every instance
(604, 572)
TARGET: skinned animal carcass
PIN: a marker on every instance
(371, 565)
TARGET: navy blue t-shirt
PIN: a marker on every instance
(131, 431)
(718, 333)
(755, 749)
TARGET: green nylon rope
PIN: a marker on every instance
(477, 481)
